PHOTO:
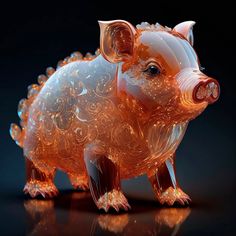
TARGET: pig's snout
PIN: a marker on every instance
(197, 88)
(207, 90)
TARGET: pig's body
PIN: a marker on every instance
(115, 116)
(79, 105)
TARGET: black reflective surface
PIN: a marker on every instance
(74, 213)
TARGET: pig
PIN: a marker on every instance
(115, 115)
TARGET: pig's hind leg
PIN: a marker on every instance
(39, 182)
(104, 179)
(165, 185)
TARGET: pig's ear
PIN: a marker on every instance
(116, 40)
(186, 29)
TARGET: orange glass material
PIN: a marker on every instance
(115, 115)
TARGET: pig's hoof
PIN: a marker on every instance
(79, 182)
(113, 199)
(36, 187)
(172, 195)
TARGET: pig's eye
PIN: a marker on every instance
(152, 70)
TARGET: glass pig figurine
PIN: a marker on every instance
(115, 115)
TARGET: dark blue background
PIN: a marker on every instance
(36, 35)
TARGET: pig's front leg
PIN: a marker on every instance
(165, 185)
(104, 179)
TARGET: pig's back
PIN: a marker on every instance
(61, 118)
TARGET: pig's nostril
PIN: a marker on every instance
(212, 89)
(208, 89)
(201, 92)
(215, 90)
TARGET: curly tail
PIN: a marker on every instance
(18, 132)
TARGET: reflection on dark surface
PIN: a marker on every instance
(75, 213)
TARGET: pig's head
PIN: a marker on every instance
(158, 68)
